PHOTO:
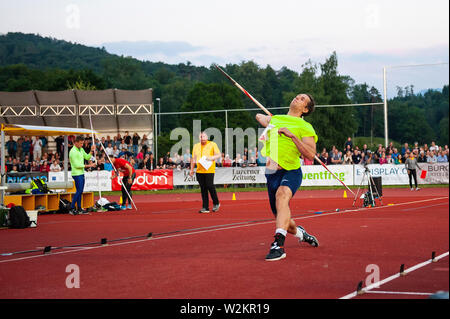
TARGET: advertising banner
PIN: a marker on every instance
(93, 181)
(147, 180)
(25, 177)
(313, 175)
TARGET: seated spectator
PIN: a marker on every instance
(14, 169)
(35, 167)
(395, 154)
(365, 149)
(9, 163)
(356, 157)
(348, 149)
(238, 161)
(348, 160)
(148, 162)
(325, 159)
(389, 159)
(442, 157)
(405, 148)
(25, 167)
(434, 147)
(55, 167)
(336, 157)
(252, 161)
(170, 163)
(244, 162)
(44, 167)
(399, 159)
(383, 159)
(422, 158)
(101, 161)
(116, 152)
(109, 150)
(179, 164)
(368, 158)
(431, 157)
(161, 164)
(227, 162)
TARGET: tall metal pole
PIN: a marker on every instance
(2, 163)
(155, 138)
(226, 132)
(66, 159)
(159, 115)
(385, 109)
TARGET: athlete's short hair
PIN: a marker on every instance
(311, 105)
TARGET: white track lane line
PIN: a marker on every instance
(393, 277)
(400, 293)
(206, 231)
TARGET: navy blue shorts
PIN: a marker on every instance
(282, 177)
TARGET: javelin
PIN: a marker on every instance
(270, 114)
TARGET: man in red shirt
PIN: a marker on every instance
(129, 174)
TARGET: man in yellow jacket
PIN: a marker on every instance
(204, 154)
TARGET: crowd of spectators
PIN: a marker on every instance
(353, 154)
(32, 154)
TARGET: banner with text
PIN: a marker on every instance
(312, 176)
(25, 177)
(147, 180)
(392, 174)
(93, 181)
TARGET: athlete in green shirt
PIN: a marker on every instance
(288, 138)
(77, 156)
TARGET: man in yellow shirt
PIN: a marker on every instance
(204, 154)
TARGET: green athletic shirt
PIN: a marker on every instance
(282, 149)
(77, 157)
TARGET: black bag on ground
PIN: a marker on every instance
(113, 206)
(18, 217)
(64, 206)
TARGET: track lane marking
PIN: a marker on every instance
(211, 230)
(393, 277)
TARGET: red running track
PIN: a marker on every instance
(223, 258)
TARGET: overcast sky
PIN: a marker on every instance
(366, 35)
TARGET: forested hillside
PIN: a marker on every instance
(30, 61)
